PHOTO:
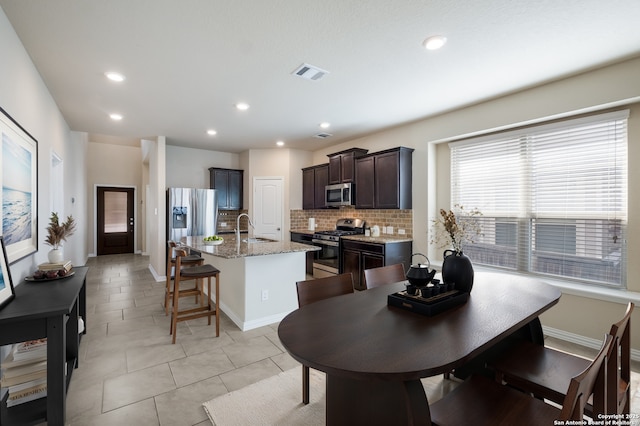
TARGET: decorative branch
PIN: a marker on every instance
(59, 232)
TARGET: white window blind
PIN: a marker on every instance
(553, 198)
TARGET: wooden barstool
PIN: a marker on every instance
(187, 261)
(197, 273)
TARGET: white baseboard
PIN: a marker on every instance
(157, 277)
(581, 340)
(250, 325)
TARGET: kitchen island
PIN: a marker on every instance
(257, 277)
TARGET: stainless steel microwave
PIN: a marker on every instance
(340, 194)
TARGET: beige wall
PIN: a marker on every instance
(580, 314)
(189, 168)
(25, 96)
(113, 165)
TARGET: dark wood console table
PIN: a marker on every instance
(46, 309)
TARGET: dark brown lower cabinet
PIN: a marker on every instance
(301, 237)
(356, 256)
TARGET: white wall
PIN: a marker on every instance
(189, 168)
(25, 97)
(155, 158)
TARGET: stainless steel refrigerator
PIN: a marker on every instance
(191, 212)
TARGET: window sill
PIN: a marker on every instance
(576, 289)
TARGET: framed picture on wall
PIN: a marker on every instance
(6, 285)
(19, 189)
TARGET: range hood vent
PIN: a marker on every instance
(310, 72)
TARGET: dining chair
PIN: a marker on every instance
(310, 291)
(197, 273)
(382, 275)
(544, 371)
(187, 261)
(482, 401)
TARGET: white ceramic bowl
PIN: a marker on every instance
(213, 243)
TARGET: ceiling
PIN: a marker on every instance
(187, 63)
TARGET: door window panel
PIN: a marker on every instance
(115, 212)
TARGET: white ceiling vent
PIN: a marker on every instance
(323, 135)
(309, 72)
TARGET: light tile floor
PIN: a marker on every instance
(130, 373)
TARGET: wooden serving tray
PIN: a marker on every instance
(430, 305)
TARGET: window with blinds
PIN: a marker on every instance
(553, 198)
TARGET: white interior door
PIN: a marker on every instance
(267, 207)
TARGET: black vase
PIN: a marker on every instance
(457, 269)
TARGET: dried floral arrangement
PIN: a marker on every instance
(59, 232)
(456, 228)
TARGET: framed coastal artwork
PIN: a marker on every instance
(19, 189)
(6, 285)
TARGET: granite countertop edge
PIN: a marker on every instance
(231, 249)
(382, 239)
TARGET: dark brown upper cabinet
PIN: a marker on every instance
(383, 179)
(228, 184)
(314, 180)
(342, 165)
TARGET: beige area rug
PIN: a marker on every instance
(273, 401)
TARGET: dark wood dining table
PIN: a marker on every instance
(374, 355)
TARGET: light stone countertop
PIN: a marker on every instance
(382, 239)
(231, 249)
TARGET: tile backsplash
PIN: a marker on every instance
(227, 220)
(326, 218)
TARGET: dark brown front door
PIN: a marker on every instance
(115, 220)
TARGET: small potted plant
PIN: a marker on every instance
(57, 233)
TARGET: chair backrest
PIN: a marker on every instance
(180, 253)
(171, 245)
(310, 291)
(376, 277)
(619, 365)
(590, 381)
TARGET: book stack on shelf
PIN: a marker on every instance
(24, 372)
(65, 265)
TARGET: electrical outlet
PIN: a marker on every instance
(384, 230)
(223, 224)
(389, 229)
(401, 232)
(265, 295)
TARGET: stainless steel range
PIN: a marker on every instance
(327, 260)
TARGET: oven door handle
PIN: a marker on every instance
(326, 243)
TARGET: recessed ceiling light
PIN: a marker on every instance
(211, 132)
(116, 117)
(114, 76)
(242, 106)
(280, 143)
(325, 125)
(434, 42)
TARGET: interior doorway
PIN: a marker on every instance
(115, 225)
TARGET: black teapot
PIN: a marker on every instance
(419, 274)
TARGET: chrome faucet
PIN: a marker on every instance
(238, 225)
